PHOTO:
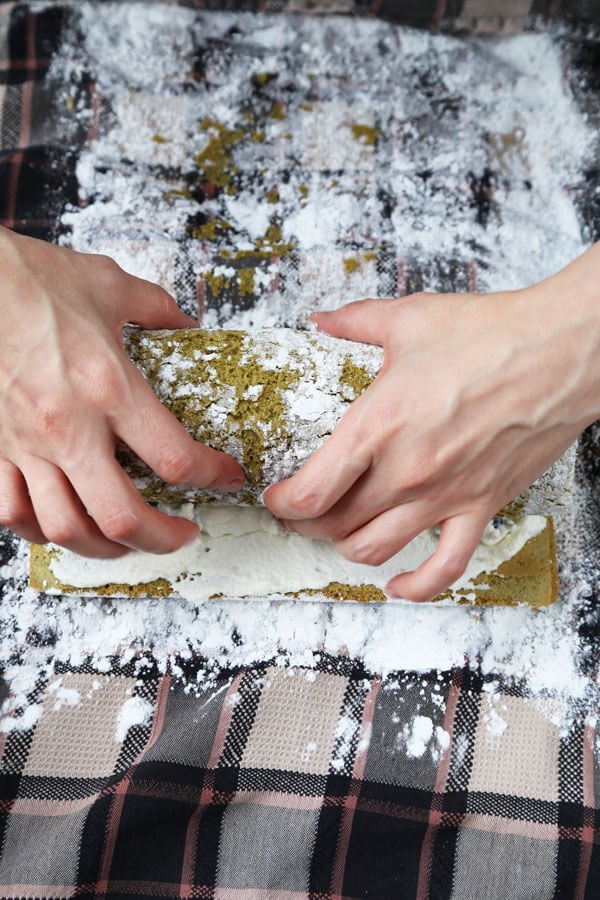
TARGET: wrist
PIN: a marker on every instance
(560, 317)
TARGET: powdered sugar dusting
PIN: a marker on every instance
(405, 218)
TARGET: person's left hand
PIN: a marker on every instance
(477, 396)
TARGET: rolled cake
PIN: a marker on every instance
(270, 399)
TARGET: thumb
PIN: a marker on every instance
(368, 321)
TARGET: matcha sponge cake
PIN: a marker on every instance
(270, 398)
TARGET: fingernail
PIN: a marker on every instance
(192, 538)
(319, 317)
(236, 484)
(289, 525)
(392, 593)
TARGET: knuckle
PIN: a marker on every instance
(453, 566)
(335, 531)
(380, 555)
(208, 484)
(306, 501)
(52, 417)
(330, 528)
(13, 513)
(420, 474)
(430, 468)
(177, 466)
(363, 551)
(119, 525)
(164, 301)
(62, 532)
(108, 270)
(104, 384)
(105, 379)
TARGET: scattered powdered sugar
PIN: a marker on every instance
(414, 222)
(310, 392)
(542, 646)
(421, 736)
(63, 696)
(417, 735)
(346, 732)
(134, 711)
(496, 725)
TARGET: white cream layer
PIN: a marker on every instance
(243, 552)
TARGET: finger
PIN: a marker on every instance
(344, 518)
(62, 518)
(385, 535)
(158, 438)
(458, 541)
(369, 497)
(368, 321)
(127, 298)
(150, 306)
(120, 513)
(324, 479)
(16, 510)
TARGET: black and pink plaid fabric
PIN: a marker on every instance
(32, 131)
(293, 783)
(28, 146)
(282, 782)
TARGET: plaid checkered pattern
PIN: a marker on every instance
(29, 145)
(296, 783)
(282, 782)
(378, 251)
(480, 16)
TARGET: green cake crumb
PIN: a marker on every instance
(366, 134)
(256, 413)
(355, 377)
(214, 161)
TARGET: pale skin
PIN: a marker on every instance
(68, 394)
(478, 395)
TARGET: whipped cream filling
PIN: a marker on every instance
(244, 552)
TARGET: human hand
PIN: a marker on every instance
(477, 396)
(68, 394)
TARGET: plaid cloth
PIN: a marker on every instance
(280, 782)
(478, 16)
(28, 146)
(31, 142)
(297, 783)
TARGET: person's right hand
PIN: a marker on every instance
(69, 394)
